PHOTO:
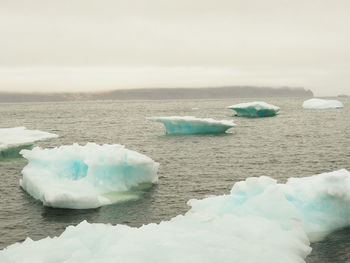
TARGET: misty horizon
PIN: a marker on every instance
(159, 94)
(103, 45)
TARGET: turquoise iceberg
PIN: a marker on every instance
(254, 109)
(81, 177)
(177, 125)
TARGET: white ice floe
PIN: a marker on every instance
(255, 109)
(321, 202)
(260, 221)
(196, 238)
(87, 176)
(193, 125)
(19, 137)
(322, 104)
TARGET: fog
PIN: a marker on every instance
(102, 45)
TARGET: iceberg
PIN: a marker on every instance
(192, 238)
(81, 177)
(196, 237)
(322, 104)
(259, 221)
(12, 140)
(254, 109)
(321, 202)
(177, 125)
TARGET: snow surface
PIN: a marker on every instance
(260, 221)
(322, 104)
(192, 238)
(255, 109)
(193, 125)
(20, 136)
(321, 202)
(82, 177)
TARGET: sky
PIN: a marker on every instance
(96, 45)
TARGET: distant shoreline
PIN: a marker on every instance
(158, 94)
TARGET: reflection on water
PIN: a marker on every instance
(133, 194)
(13, 152)
(335, 248)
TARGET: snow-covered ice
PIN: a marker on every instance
(255, 109)
(259, 221)
(12, 140)
(87, 176)
(192, 238)
(193, 125)
(320, 202)
(322, 104)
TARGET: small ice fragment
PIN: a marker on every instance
(255, 109)
(192, 125)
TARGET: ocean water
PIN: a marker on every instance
(296, 143)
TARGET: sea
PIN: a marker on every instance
(295, 143)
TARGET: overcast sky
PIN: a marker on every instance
(82, 45)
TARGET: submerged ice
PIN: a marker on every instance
(12, 140)
(259, 221)
(322, 104)
(193, 125)
(255, 109)
(81, 177)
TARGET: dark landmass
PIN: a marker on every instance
(160, 94)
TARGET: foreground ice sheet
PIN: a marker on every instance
(322, 104)
(87, 176)
(193, 125)
(12, 140)
(195, 238)
(321, 202)
(255, 109)
(260, 221)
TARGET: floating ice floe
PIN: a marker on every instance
(320, 202)
(87, 176)
(322, 104)
(193, 125)
(196, 238)
(12, 140)
(255, 109)
(259, 221)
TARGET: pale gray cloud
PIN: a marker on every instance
(96, 45)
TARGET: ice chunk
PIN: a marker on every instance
(255, 109)
(87, 176)
(321, 202)
(195, 238)
(260, 221)
(193, 125)
(322, 104)
(12, 140)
